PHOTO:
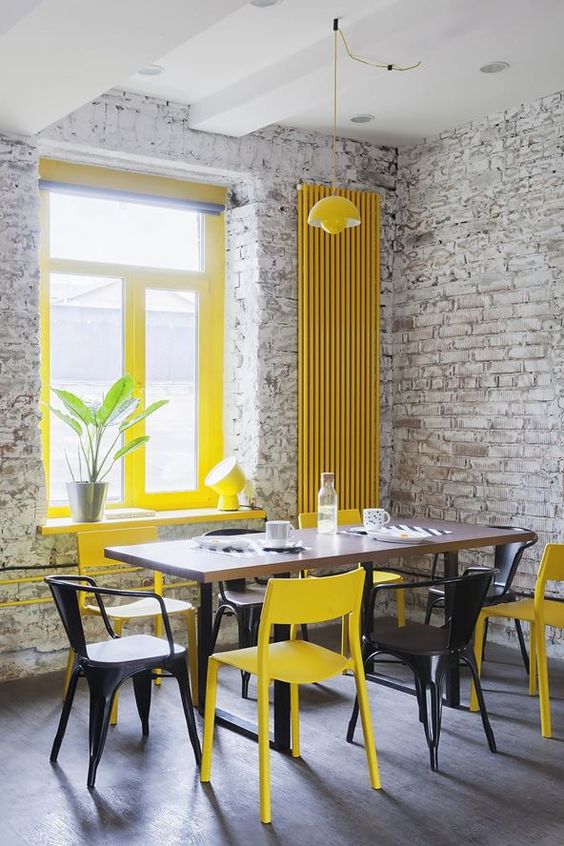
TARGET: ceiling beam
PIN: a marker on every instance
(60, 54)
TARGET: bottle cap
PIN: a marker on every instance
(327, 479)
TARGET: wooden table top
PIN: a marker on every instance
(179, 558)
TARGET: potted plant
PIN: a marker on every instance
(91, 422)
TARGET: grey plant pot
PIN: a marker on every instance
(87, 500)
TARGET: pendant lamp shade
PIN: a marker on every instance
(334, 214)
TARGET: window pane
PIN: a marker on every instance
(171, 367)
(93, 229)
(86, 342)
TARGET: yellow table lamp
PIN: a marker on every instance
(227, 479)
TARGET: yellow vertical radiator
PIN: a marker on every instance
(338, 353)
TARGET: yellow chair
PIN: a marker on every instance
(539, 613)
(91, 556)
(351, 517)
(292, 602)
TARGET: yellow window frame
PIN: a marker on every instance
(209, 287)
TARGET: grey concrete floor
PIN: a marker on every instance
(148, 792)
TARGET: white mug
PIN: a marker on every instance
(374, 518)
(278, 533)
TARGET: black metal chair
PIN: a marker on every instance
(107, 664)
(506, 562)
(430, 651)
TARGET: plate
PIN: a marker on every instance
(389, 537)
(223, 542)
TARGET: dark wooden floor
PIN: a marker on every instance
(148, 792)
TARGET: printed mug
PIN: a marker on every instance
(374, 518)
(278, 533)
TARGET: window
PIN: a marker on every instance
(132, 281)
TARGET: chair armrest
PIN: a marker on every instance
(73, 581)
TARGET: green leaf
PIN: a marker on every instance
(124, 410)
(131, 446)
(66, 418)
(149, 410)
(75, 405)
(119, 392)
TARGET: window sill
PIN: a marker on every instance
(66, 525)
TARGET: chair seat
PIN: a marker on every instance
(381, 577)
(247, 598)
(523, 609)
(415, 638)
(141, 608)
(293, 661)
(124, 650)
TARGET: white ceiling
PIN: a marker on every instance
(241, 67)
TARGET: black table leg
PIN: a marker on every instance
(452, 687)
(281, 740)
(366, 622)
(204, 641)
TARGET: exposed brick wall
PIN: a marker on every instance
(478, 349)
(262, 171)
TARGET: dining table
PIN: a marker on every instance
(341, 550)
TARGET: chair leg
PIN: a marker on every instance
(468, 657)
(142, 689)
(209, 719)
(264, 750)
(522, 645)
(478, 646)
(192, 652)
(102, 694)
(533, 660)
(431, 709)
(542, 673)
(400, 607)
(295, 712)
(486, 624)
(180, 671)
(353, 721)
(361, 704)
(67, 705)
(118, 627)
(68, 673)
(158, 629)
(216, 625)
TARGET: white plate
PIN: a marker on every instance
(223, 542)
(392, 537)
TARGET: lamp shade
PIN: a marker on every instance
(334, 214)
(227, 479)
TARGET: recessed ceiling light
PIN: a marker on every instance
(361, 118)
(263, 3)
(151, 70)
(494, 67)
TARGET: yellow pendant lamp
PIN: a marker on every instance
(334, 214)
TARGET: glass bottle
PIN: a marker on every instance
(327, 505)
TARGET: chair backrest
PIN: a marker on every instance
(295, 601)
(66, 592)
(91, 545)
(551, 570)
(232, 584)
(508, 557)
(345, 517)
(464, 598)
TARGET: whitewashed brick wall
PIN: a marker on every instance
(478, 349)
(262, 170)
